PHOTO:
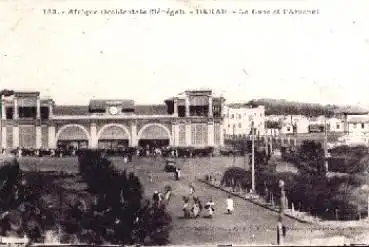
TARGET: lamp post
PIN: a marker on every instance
(234, 145)
(325, 144)
(253, 157)
(367, 189)
(281, 232)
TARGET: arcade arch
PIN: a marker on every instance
(73, 135)
(154, 135)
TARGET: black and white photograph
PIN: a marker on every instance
(184, 123)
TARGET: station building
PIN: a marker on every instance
(190, 119)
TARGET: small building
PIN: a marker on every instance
(353, 116)
(302, 126)
(238, 120)
(286, 129)
(358, 125)
(335, 124)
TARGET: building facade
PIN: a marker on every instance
(358, 125)
(286, 128)
(336, 124)
(238, 120)
(193, 118)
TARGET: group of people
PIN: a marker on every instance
(158, 197)
(194, 210)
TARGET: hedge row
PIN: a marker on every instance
(341, 198)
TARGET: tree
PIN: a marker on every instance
(118, 215)
(310, 158)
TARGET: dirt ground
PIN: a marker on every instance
(249, 224)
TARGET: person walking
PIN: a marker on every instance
(177, 174)
(196, 210)
(230, 205)
(197, 207)
(192, 189)
(185, 209)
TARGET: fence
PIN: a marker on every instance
(267, 142)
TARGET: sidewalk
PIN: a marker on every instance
(303, 217)
(299, 216)
(333, 241)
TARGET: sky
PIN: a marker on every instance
(320, 58)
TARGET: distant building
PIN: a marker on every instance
(287, 128)
(358, 125)
(238, 120)
(320, 120)
(302, 126)
(336, 124)
(288, 124)
(354, 118)
(273, 118)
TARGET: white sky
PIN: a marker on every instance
(315, 58)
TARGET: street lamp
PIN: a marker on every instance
(252, 157)
(234, 145)
(366, 178)
(281, 230)
(325, 144)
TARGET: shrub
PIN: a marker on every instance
(154, 224)
(236, 176)
(308, 158)
(9, 176)
(342, 197)
(347, 159)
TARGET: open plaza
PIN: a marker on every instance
(249, 224)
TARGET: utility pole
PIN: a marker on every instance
(325, 144)
(234, 145)
(366, 177)
(253, 157)
(281, 230)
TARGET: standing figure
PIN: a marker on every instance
(197, 207)
(156, 198)
(210, 209)
(195, 210)
(19, 152)
(185, 209)
(177, 174)
(230, 205)
(125, 159)
(192, 189)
